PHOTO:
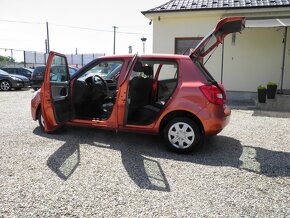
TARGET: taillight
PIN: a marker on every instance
(213, 94)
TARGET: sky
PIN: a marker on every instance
(85, 25)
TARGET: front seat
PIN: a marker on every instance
(140, 90)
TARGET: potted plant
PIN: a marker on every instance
(262, 93)
(271, 90)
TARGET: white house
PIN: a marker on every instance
(261, 53)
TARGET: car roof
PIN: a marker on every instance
(159, 56)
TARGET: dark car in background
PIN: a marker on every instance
(9, 81)
(38, 74)
(22, 71)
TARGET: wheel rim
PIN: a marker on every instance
(5, 85)
(42, 120)
(181, 135)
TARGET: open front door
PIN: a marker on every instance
(56, 105)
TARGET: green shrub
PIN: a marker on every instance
(271, 84)
(261, 87)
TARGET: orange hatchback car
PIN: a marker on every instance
(171, 95)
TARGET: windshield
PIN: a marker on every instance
(107, 70)
(4, 72)
(72, 71)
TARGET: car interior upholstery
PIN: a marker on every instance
(94, 97)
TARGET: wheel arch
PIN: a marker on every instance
(180, 113)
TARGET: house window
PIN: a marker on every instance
(183, 45)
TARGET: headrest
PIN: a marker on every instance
(148, 71)
(138, 67)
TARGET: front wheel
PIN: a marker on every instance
(40, 120)
(182, 135)
(5, 85)
(41, 123)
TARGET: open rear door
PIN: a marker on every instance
(215, 37)
(127, 97)
(56, 104)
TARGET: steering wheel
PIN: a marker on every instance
(95, 80)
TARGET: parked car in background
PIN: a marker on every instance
(38, 74)
(171, 95)
(22, 71)
(9, 81)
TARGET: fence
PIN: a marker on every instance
(32, 58)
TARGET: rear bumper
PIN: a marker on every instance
(26, 84)
(215, 118)
(36, 83)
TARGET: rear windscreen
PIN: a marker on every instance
(39, 70)
(204, 71)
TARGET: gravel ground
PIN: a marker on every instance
(78, 172)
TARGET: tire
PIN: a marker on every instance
(5, 85)
(35, 88)
(42, 123)
(182, 135)
(40, 120)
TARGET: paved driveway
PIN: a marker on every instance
(244, 171)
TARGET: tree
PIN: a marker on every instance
(5, 60)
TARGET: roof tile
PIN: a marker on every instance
(185, 5)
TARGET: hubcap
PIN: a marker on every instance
(5, 86)
(181, 135)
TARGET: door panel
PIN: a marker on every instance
(123, 103)
(166, 88)
(56, 102)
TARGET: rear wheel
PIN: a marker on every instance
(5, 85)
(182, 135)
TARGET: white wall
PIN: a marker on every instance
(255, 59)
(168, 28)
(286, 84)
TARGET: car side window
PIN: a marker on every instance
(168, 71)
(167, 79)
(58, 70)
(21, 72)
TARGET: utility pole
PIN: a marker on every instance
(47, 38)
(114, 49)
(76, 54)
(143, 39)
(46, 46)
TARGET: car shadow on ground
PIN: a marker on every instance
(277, 114)
(139, 153)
